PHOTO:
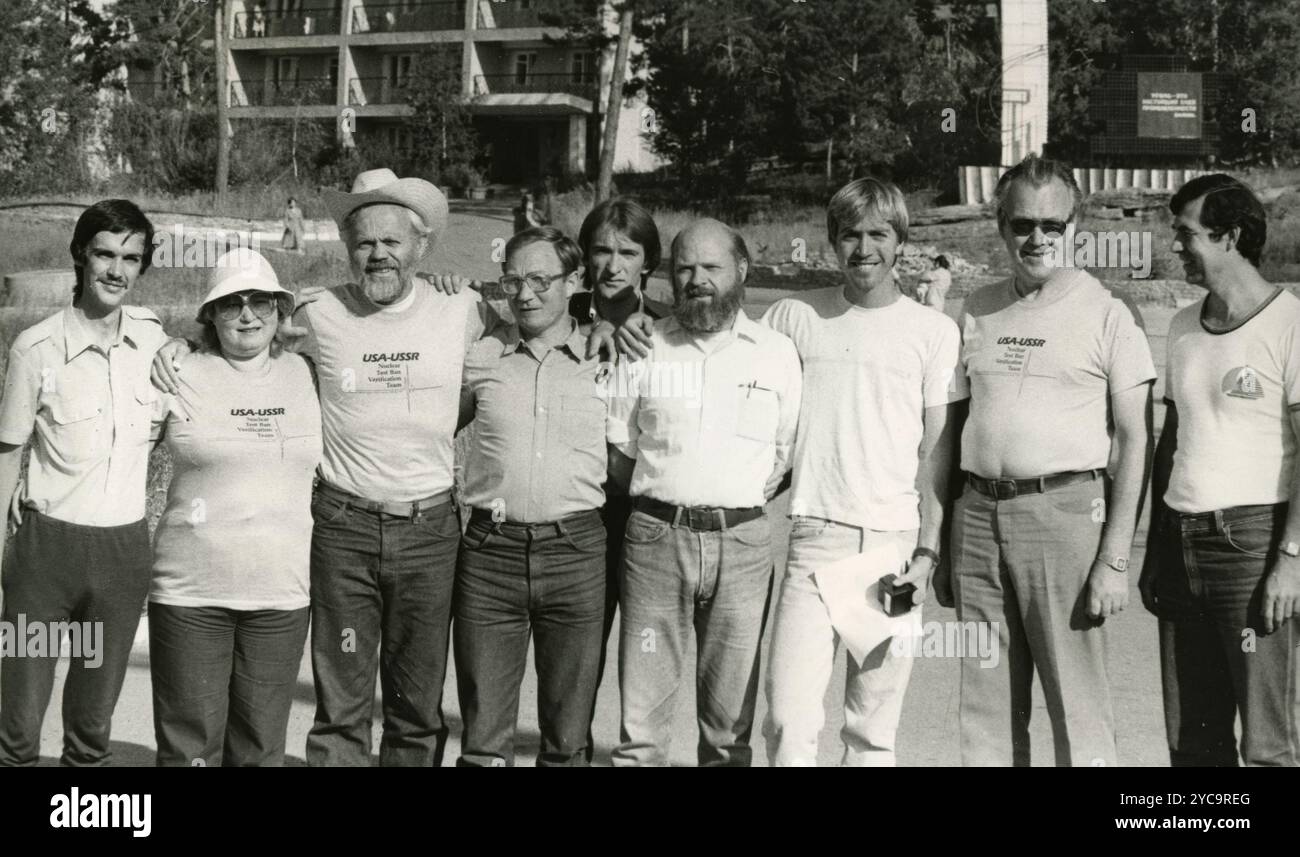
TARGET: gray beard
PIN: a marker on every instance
(379, 292)
(716, 315)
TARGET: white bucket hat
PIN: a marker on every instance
(383, 185)
(241, 270)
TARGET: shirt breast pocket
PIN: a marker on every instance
(76, 427)
(425, 375)
(758, 411)
(582, 420)
(145, 407)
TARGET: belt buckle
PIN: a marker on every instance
(699, 518)
(999, 494)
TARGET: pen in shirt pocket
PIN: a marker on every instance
(752, 386)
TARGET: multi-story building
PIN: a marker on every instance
(536, 104)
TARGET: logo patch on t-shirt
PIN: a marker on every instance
(1243, 383)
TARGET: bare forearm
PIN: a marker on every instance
(934, 474)
(1128, 489)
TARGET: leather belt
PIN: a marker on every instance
(398, 509)
(484, 516)
(1007, 489)
(696, 517)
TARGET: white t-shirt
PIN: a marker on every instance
(868, 375)
(1042, 370)
(1234, 392)
(237, 529)
(390, 387)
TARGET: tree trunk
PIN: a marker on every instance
(830, 146)
(223, 121)
(605, 180)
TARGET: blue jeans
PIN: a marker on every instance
(719, 584)
(1215, 660)
(223, 683)
(381, 589)
(547, 580)
(1022, 565)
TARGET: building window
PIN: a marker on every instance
(399, 69)
(583, 66)
(284, 74)
(524, 63)
(334, 74)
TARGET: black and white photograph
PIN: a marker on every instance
(591, 383)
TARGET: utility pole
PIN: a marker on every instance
(605, 179)
(223, 121)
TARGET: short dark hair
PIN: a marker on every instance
(633, 220)
(1228, 204)
(1037, 172)
(570, 255)
(108, 215)
(942, 261)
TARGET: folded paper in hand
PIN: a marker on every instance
(850, 589)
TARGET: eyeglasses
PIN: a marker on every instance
(231, 307)
(539, 283)
(1023, 226)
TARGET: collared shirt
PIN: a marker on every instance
(389, 387)
(92, 411)
(538, 441)
(708, 417)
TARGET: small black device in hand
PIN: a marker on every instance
(895, 597)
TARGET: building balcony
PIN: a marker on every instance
(407, 17)
(550, 84)
(264, 94)
(522, 14)
(370, 91)
(262, 25)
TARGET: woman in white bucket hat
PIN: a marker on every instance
(228, 607)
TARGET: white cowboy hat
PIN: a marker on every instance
(383, 185)
(241, 270)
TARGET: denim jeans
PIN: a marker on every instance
(1215, 660)
(381, 589)
(68, 572)
(676, 579)
(1023, 564)
(547, 580)
(614, 514)
(803, 654)
(223, 683)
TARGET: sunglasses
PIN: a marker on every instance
(1023, 226)
(231, 307)
(539, 283)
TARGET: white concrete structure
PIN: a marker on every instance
(1024, 79)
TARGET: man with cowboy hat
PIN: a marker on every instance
(388, 357)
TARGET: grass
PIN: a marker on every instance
(245, 203)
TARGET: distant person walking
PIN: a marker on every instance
(294, 227)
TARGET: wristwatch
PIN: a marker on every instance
(1290, 549)
(926, 552)
(1119, 563)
